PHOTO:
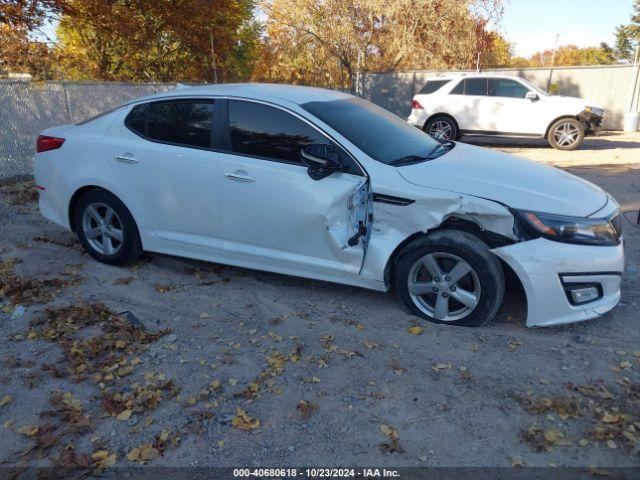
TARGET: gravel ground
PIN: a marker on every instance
(259, 369)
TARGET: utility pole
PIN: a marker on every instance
(213, 59)
(553, 61)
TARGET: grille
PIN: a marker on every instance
(616, 223)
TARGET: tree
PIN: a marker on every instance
(571, 55)
(19, 51)
(624, 45)
(158, 40)
(328, 42)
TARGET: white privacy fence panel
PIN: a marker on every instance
(27, 108)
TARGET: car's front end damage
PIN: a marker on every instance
(569, 261)
(591, 118)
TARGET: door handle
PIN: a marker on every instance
(127, 158)
(239, 177)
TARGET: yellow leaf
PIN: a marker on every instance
(204, 315)
(220, 443)
(143, 453)
(233, 382)
(517, 462)
(7, 399)
(28, 430)
(148, 421)
(8, 423)
(120, 344)
(242, 421)
(389, 431)
(417, 330)
(191, 400)
(164, 435)
(136, 361)
(124, 415)
(32, 335)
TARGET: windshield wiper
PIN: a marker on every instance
(408, 159)
(447, 143)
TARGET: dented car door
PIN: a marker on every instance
(278, 214)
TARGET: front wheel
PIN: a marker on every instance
(450, 277)
(566, 134)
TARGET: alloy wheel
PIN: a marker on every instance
(566, 134)
(440, 130)
(444, 286)
(102, 228)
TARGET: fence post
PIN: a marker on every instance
(67, 102)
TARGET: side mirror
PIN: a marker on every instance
(321, 159)
(532, 96)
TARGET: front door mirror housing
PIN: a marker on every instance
(532, 96)
(322, 160)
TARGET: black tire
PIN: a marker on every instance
(453, 132)
(129, 248)
(486, 270)
(555, 136)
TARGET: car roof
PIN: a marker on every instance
(457, 76)
(257, 91)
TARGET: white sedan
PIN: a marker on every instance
(324, 185)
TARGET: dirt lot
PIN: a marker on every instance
(258, 369)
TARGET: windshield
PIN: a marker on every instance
(378, 133)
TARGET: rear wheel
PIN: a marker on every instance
(450, 277)
(566, 134)
(442, 127)
(106, 229)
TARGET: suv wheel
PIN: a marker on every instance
(106, 229)
(450, 277)
(566, 134)
(442, 127)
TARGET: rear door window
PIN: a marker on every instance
(476, 86)
(182, 122)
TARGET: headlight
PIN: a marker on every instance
(584, 231)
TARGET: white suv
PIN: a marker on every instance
(483, 104)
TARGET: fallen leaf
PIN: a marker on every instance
(124, 415)
(517, 462)
(242, 421)
(371, 344)
(7, 399)
(28, 430)
(305, 409)
(417, 330)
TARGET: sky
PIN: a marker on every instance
(533, 24)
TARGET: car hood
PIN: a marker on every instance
(510, 180)
(573, 102)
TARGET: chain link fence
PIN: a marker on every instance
(27, 108)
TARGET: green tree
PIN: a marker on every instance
(624, 45)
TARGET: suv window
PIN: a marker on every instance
(471, 86)
(503, 87)
(182, 122)
(263, 131)
(433, 86)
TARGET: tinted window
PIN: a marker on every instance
(380, 134)
(184, 122)
(475, 86)
(458, 89)
(269, 132)
(433, 86)
(137, 119)
(502, 87)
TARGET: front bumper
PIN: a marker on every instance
(592, 121)
(542, 266)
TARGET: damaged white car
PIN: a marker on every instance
(324, 185)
